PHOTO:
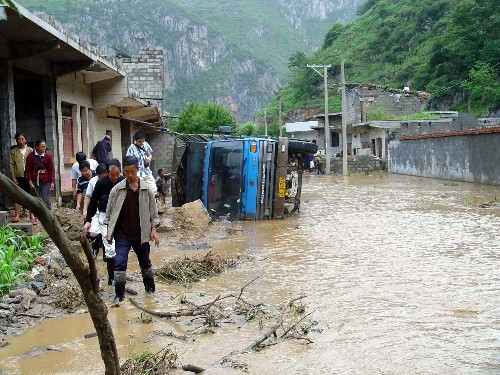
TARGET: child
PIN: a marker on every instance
(83, 181)
(163, 184)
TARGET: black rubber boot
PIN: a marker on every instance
(96, 245)
(120, 280)
(110, 265)
(148, 278)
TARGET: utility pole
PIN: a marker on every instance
(265, 121)
(344, 121)
(327, 124)
(279, 120)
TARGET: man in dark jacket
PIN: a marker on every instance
(102, 149)
(99, 202)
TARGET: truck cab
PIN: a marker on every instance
(246, 178)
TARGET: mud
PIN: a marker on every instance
(51, 290)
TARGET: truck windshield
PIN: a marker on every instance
(225, 178)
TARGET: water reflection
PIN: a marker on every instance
(403, 273)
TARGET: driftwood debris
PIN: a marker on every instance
(166, 314)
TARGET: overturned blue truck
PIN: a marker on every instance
(239, 178)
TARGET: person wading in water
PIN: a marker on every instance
(132, 217)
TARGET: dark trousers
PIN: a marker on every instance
(43, 190)
(122, 248)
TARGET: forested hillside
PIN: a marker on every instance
(449, 48)
(220, 51)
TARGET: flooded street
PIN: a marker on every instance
(403, 275)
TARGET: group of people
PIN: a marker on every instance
(32, 169)
(314, 162)
(119, 211)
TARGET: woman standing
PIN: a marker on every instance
(40, 172)
(17, 163)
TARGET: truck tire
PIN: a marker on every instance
(301, 147)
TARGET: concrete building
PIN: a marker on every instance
(57, 87)
(306, 130)
(366, 136)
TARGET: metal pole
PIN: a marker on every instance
(344, 121)
(265, 121)
(327, 125)
(327, 120)
(279, 124)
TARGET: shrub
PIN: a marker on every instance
(18, 253)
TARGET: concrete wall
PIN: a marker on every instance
(103, 125)
(472, 158)
(71, 89)
(89, 126)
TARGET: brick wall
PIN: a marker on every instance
(395, 102)
(488, 122)
(146, 74)
(162, 144)
(357, 164)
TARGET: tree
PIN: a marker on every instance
(297, 61)
(86, 276)
(203, 119)
(483, 88)
(332, 35)
(8, 3)
(248, 128)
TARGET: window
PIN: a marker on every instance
(68, 143)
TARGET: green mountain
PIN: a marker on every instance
(448, 48)
(230, 52)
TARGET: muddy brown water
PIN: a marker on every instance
(403, 274)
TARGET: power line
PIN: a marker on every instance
(465, 80)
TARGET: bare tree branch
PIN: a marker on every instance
(90, 258)
(97, 309)
(243, 288)
(167, 314)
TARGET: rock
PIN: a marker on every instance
(56, 269)
(40, 260)
(3, 343)
(5, 314)
(72, 222)
(26, 295)
(166, 225)
(12, 300)
(4, 306)
(37, 286)
(37, 273)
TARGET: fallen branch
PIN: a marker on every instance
(193, 368)
(37, 316)
(295, 324)
(242, 289)
(293, 300)
(130, 291)
(167, 314)
(253, 345)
